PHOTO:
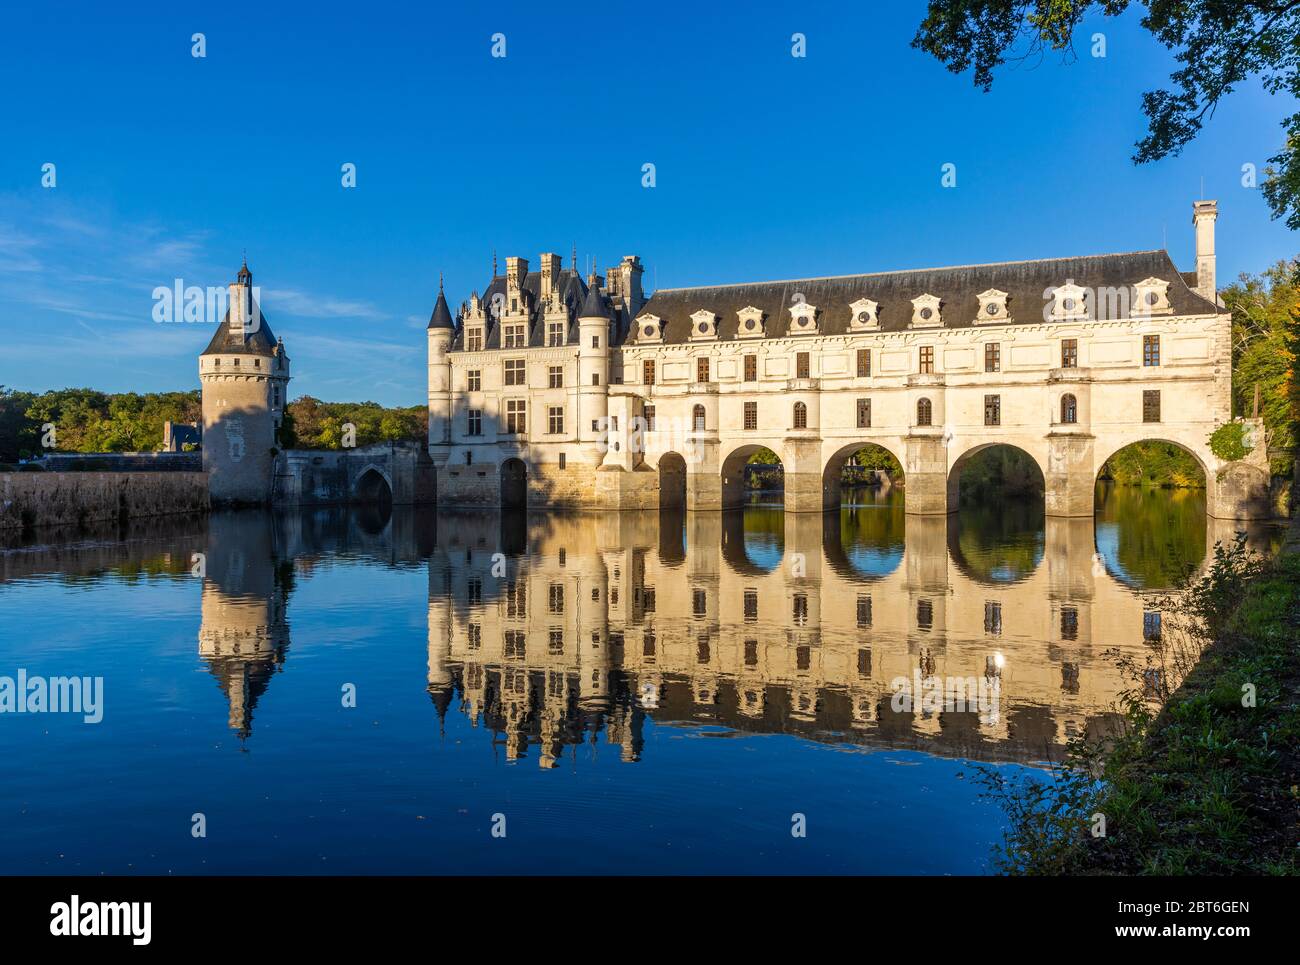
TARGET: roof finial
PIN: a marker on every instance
(575, 257)
(494, 263)
(439, 281)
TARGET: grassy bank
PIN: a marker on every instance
(1205, 778)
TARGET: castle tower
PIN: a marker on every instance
(593, 368)
(244, 373)
(440, 332)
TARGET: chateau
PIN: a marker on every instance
(552, 390)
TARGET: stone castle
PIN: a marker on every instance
(551, 390)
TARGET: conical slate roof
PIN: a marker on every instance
(441, 317)
(594, 306)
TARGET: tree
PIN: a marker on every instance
(1220, 44)
(1265, 336)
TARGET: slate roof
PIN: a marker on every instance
(260, 342)
(958, 287)
(441, 317)
(573, 291)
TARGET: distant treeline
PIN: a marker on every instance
(86, 420)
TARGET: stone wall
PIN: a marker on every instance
(41, 499)
(336, 477)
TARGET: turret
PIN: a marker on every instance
(244, 373)
(593, 365)
(440, 332)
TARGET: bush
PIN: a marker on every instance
(1228, 442)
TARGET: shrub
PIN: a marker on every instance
(1228, 442)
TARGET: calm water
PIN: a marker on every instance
(632, 693)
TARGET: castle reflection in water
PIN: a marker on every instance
(552, 631)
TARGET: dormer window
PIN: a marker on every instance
(1151, 297)
(704, 324)
(803, 318)
(992, 307)
(1069, 301)
(925, 311)
(864, 317)
(751, 322)
(649, 328)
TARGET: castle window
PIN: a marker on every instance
(799, 609)
(563, 461)
(469, 458)
(801, 365)
(555, 376)
(864, 413)
(698, 419)
(751, 415)
(257, 363)
(1150, 349)
(923, 412)
(216, 363)
(474, 340)
(751, 606)
(993, 357)
(1069, 353)
(800, 416)
(702, 369)
(993, 618)
(751, 368)
(751, 653)
(1151, 405)
(555, 643)
(649, 418)
(515, 372)
(699, 603)
(1069, 409)
(555, 419)
(474, 424)
(275, 395)
(595, 378)
(516, 416)
(924, 614)
(864, 611)
(1069, 623)
(474, 380)
(236, 363)
(648, 372)
(993, 410)
(515, 336)
(864, 363)
(864, 662)
(555, 598)
(927, 359)
(554, 333)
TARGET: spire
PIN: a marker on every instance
(441, 317)
(594, 306)
(245, 277)
(494, 264)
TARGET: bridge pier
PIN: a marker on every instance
(925, 468)
(1070, 477)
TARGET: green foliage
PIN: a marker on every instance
(1218, 45)
(1228, 442)
(1000, 471)
(1265, 338)
(312, 424)
(1198, 779)
(764, 457)
(89, 421)
(1154, 463)
(1161, 535)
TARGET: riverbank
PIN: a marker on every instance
(1211, 784)
(32, 500)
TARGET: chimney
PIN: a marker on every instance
(1204, 214)
(630, 286)
(516, 274)
(550, 274)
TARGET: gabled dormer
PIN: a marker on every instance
(649, 328)
(926, 311)
(992, 308)
(1151, 297)
(864, 316)
(1069, 301)
(704, 325)
(803, 318)
(750, 322)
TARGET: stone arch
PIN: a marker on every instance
(959, 464)
(514, 484)
(672, 481)
(733, 471)
(834, 468)
(865, 547)
(736, 549)
(373, 485)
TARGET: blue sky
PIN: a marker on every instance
(767, 166)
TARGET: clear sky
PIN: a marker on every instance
(168, 166)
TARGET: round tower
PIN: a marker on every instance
(244, 373)
(440, 332)
(593, 369)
